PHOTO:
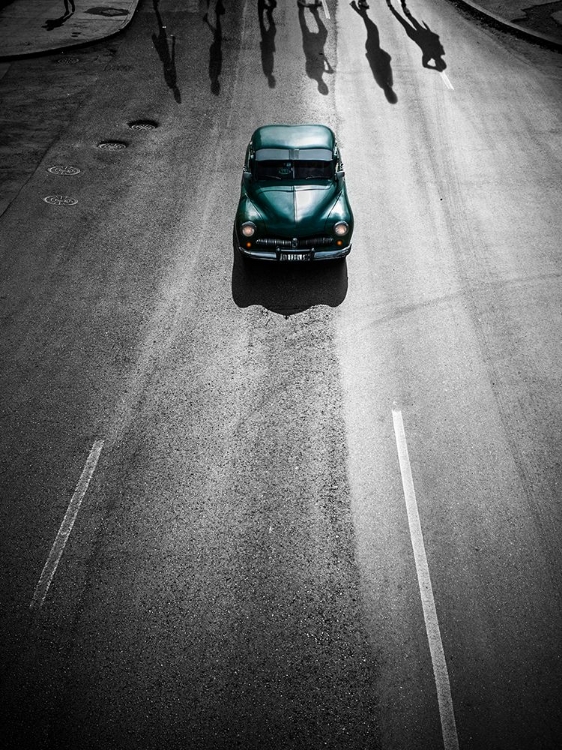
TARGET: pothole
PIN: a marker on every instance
(60, 200)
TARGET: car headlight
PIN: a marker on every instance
(248, 228)
(341, 228)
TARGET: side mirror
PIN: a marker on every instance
(340, 174)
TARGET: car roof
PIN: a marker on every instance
(293, 137)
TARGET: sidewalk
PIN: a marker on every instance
(34, 26)
(538, 20)
(514, 10)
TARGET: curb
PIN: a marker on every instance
(544, 40)
(66, 43)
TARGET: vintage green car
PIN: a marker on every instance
(293, 201)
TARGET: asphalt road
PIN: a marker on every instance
(243, 570)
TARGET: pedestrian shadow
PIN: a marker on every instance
(427, 40)
(167, 54)
(313, 45)
(215, 50)
(54, 23)
(288, 288)
(378, 58)
(267, 44)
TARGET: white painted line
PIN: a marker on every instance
(326, 11)
(66, 527)
(446, 80)
(446, 712)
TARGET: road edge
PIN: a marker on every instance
(497, 21)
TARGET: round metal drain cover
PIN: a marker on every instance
(112, 145)
(143, 125)
(60, 200)
(66, 171)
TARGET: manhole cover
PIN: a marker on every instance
(60, 200)
(112, 145)
(143, 125)
(66, 171)
(67, 60)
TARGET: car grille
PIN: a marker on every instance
(295, 243)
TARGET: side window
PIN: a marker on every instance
(337, 156)
(248, 159)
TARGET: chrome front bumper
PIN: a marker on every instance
(297, 255)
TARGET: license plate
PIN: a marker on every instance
(294, 256)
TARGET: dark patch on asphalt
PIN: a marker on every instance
(110, 12)
(539, 18)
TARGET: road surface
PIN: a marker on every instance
(245, 458)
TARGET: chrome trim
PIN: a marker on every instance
(316, 255)
(304, 242)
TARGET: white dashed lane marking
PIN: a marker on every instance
(446, 712)
(61, 539)
(446, 80)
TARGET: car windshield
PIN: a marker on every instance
(294, 170)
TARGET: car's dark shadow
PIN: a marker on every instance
(285, 288)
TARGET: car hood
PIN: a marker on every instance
(295, 209)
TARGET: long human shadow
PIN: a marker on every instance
(313, 46)
(378, 58)
(167, 54)
(267, 44)
(426, 39)
(215, 50)
(54, 23)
